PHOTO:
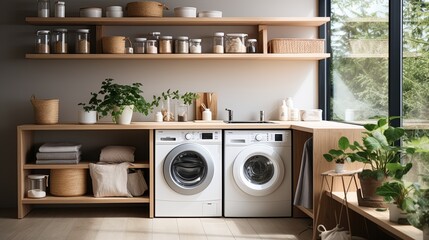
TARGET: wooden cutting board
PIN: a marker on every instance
(210, 100)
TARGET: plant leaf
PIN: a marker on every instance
(328, 157)
(343, 143)
(371, 143)
(393, 134)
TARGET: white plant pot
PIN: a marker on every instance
(126, 116)
(396, 213)
(339, 167)
(85, 117)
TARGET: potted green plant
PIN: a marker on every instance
(339, 156)
(380, 152)
(419, 217)
(120, 101)
(399, 197)
(89, 112)
(183, 105)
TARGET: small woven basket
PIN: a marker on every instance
(68, 182)
(296, 45)
(145, 9)
(115, 44)
(45, 110)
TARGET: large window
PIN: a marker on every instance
(367, 76)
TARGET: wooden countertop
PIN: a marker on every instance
(296, 125)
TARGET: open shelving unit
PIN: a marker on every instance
(261, 23)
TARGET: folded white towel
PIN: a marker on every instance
(60, 147)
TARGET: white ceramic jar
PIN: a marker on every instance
(114, 12)
(207, 115)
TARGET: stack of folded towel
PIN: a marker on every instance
(58, 153)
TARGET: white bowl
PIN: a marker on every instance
(185, 12)
(212, 14)
(90, 12)
(114, 14)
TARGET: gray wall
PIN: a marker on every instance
(246, 86)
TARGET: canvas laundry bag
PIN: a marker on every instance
(333, 234)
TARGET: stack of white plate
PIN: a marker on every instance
(210, 14)
(90, 12)
(185, 12)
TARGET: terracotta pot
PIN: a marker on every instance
(369, 186)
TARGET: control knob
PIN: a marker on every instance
(188, 136)
(258, 137)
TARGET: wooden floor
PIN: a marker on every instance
(129, 223)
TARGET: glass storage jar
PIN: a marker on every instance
(166, 44)
(251, 45)
(195, 46)
(37, 185)
(181, 45)
(43, 41)
(235, 43)
(140, 45)
(43, 8)
(151, 46)
(82, 44)
(60, 9)
(153, 36)
(60, 40)
(218, 43)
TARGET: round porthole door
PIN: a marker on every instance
(258, 170)
(188, 169)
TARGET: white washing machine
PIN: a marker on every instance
(257, 173)
(188, 173)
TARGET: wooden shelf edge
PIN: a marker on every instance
(81, 165)
(85, 200)
(307, 211)
(407, 232)
(176, 21)
(257, 56)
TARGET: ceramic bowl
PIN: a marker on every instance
(185, 12)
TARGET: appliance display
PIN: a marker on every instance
(257, 173)
(188, 173)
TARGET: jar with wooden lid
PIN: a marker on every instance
(43, 39)
(82, 44)
(181, 45)
(166, 44)
(60, 40)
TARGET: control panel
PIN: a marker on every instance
(169, 136)
(257, 136)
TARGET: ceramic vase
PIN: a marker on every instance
(339, 167)
(396, 213)
(126, 116)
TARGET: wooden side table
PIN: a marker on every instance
(346, 187)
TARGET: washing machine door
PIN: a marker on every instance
(258, 170)
(188, 169)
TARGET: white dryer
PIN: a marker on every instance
(188, 173)
(257, 173)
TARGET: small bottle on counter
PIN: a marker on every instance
(252, 45)
(139, 45)
(82, 44)
(218, 43)
(43, 8)
(284, 113)
(43, 41)
(60, 40)
(60, 9)
(151, 47)
(181, 45)
(195, 46)
(166, 44)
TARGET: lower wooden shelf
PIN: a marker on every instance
(256, 56)
(85, 200)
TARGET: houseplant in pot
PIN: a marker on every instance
(89, 112)
(166, 101)
(382, 155)
(399, 198)
(120, 101)
(339, 156)
(182, 108)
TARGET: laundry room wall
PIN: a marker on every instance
(246, 86)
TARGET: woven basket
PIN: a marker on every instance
(114, 44)
(296, 45)
(145, 9)
(45, 110)
(68, 182)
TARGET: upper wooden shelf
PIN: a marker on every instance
(176, 21)
(81, 165)
(301, 56)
